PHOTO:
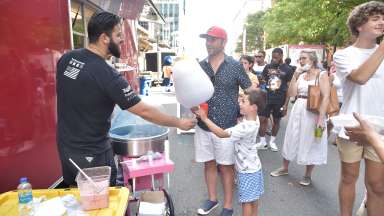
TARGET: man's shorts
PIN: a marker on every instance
(271, 108)
(210, 147)
(351, 152)
(86, 161)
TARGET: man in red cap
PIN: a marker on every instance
(227, 75)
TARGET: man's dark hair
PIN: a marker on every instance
(278, 50)
(287, 61)
(248, 58)
(102, 22)
(262, 52)
(257, 97)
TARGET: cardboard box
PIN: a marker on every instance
(152, 203)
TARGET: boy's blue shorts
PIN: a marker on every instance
(250, 186)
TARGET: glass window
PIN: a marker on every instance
(171, 10)
(80, 16)
(77, 17)
(78, 41)
(160, 6)
(177, 11)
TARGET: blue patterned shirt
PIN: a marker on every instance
(223, 107)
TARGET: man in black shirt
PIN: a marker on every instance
(277, 75)
(87, 91)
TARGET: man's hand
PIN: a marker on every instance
(298, 72)
(283, 110)
(362, 133)
(273, 72)
(186, 123)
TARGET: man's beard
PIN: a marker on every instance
(114, 49)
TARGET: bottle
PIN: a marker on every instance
(318, 132)
(24, 191)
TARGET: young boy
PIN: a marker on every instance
(250, 183)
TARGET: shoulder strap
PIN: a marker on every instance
(318, 78)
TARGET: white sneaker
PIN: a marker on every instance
(273, 146)
(261, 146)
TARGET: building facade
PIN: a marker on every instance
(172, 11)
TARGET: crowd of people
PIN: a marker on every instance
(225, 135)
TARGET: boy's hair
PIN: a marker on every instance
(257, 97)
(361, 13)
(102, 22)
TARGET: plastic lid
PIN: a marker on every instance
(23, 179)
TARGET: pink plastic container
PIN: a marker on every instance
(92, 197)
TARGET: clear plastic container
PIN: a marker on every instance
(24, 190)
(92, 197)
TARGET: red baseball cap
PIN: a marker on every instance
(216, 32)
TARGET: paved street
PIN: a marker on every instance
(283, 195)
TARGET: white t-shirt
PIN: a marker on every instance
(258, 69)
(337, 83)
(363, 99)
(244, 136)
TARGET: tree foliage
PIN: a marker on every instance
(254, 32)
(308, 21)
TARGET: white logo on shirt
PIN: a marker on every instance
(73, 68)
(127, 91)
(89, 159)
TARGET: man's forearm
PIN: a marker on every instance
(153, 115)
(363, 73)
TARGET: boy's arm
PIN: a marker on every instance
(216, 129)
(202, 114)
(363, 73)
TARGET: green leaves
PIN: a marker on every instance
(255, 32)
(310, 21)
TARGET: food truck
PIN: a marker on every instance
(34, 35)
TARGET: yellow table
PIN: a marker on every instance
(118, 201)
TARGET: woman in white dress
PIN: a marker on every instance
(300, 141)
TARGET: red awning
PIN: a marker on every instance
(131, 9)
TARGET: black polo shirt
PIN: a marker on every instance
(285, 74)
(223, 107)
(87, 91)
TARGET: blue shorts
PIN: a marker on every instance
(250, 186)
